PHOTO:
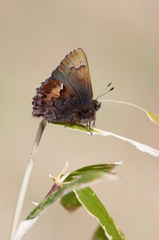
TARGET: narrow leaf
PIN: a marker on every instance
(100, 234)
(96, 209)
(142, 147)
(80, 182)
(91, 168)
(153, 117)
(70, 202)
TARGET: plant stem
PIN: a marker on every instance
(26, 178)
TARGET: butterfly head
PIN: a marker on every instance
(88, 114)
(96, 104)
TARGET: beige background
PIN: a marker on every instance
(121, 40)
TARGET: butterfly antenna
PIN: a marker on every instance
(102, 94)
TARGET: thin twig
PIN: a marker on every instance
(26, 178)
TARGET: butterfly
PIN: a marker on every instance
(67, 96)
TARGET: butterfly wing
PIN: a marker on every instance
(56, 102)
(64, 95)
(73, 71)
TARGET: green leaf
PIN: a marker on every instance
(100, 234)
(70, 202)
(154, 118)
(96, 209)
(92, 168)
(79, 182)
(75, 126)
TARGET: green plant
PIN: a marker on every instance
(73, 188)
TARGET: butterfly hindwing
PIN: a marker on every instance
(55, 101)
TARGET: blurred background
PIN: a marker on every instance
(121, 41)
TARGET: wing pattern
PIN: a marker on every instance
(67, 95)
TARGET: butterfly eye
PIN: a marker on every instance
(96, 104)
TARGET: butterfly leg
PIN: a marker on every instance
(93, 125)
(89, 125)
(68, 125)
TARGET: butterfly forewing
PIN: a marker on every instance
(73, 71)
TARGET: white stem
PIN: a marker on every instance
(26, 178)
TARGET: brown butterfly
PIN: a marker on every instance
(67, 96)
